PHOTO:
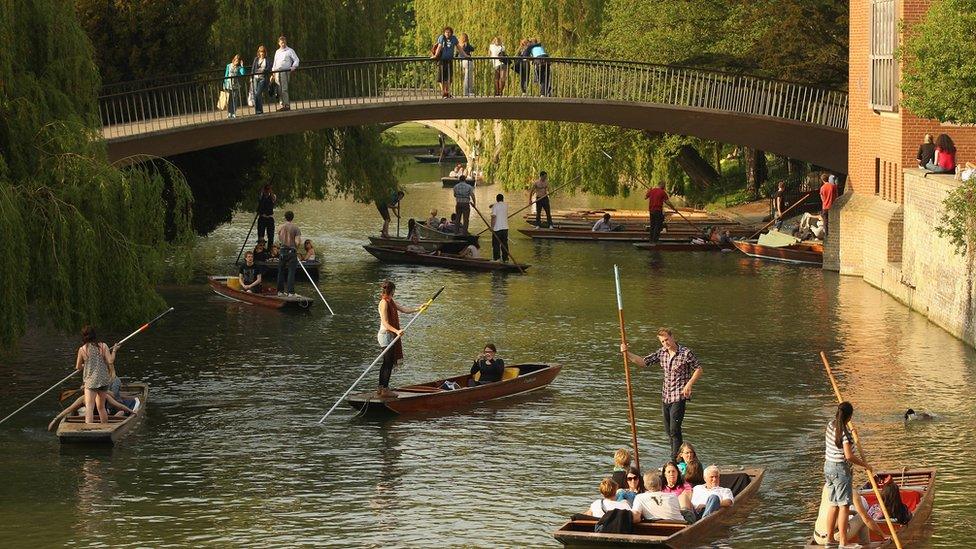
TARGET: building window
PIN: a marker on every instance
(884, 39)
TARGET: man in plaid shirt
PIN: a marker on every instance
(681, 371)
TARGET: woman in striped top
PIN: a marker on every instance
(838, 457)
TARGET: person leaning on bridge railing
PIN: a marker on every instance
(285, 62)
(444, 51)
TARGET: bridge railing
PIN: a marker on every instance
(141, 109)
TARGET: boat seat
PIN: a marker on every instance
(510, 373)
(81, 419)
(910, 498)
(736, 482)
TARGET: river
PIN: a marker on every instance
(231, 454)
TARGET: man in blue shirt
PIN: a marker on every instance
(444, 54)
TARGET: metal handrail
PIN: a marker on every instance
(349, 82)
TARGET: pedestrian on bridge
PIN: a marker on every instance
(444, 53)
(260, 74)
(499, 63)
(465, 49)
(285, 63)
(232, 84)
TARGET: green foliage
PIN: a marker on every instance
(86, 240)
(939, 78)
(958, 222)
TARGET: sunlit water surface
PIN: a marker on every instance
(231, 454)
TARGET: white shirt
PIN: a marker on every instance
(602, 226)
(470, 252)
(598, 506)
(699, 495)
(500, 211)
(495, 51)
(658, 505)
(285, 58)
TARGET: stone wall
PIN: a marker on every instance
(896, 248)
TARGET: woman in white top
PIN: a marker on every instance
(497, 52)
(608, 489)
(472, 251)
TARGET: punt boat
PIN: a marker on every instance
(434, 234)
(393, 255)
(431, 397)
(681, 246)
(802, 253)
(229, 287)
(73, 428)
(917, 490)
(744, 483)
(563, 233)
(446, 246)
(437, 159)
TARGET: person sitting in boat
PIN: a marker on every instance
(275, 254)
(489, 365)
(657, 505)
(689, 465)
(621, 464)
(673, 482)
(249, 274)
(433, 221)
(451, 226)
(710, 497)
(726, 238)
(261, 250)
(603, 225)
(414, 247)
(471, 251)
(412, 229)
(891, 497)
(634, 486)
(859, 524)
(608, 489)
(810, 226)
(309, 251)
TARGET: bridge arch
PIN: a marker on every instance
(456, 130)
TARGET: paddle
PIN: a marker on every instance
(860, 449)
(493, 235)
(523, 208)
(142, 328)
(773, 220)
(630, 393)
(383, 352)
(314, 285)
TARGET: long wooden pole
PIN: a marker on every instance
(383, 352)
(860, 449)
(142, 328)
(493, 235)
(630, 392)
(773, 220)
(523, 208)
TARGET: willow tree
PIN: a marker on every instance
(85, 241)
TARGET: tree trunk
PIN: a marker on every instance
(756, 172)
(698, 169)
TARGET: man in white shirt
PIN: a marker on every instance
(285, 61)
(499, 224)
(710, 497)
(655, 504)
(603, 225)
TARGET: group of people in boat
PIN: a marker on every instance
(471, 251)
(251, 273)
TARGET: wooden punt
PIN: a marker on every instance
(917, 489)
(429, 397)
(73, 428)
(433, 234)
(393, 255)
(271, 269)
(669, 534)
(804, 253)
(681, 246)
(446, 246)
(585, 234)
(437, 159)
(219, 285)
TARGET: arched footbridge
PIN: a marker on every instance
(164, 118)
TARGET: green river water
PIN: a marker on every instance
(230, 453)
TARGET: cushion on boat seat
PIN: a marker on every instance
(510, 373)
(909, 497)
(234, 283)
(476, 376)
(736, 482)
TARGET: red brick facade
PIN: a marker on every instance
(883, 144)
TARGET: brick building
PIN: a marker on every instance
(872, 238)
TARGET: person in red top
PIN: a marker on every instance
(945, 156)
(828, 192)
(657, 197)
(389, 329)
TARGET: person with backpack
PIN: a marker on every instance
(541, 61)
(444, 52)
(608, 489)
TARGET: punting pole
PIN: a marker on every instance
(521, 270)
(773, 220)
(523, 208)
(142, 328)
(860, 449)
(314, 285)
(246, 238)
(630, 392)
(383, 352)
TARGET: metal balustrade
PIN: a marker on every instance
(153, 106)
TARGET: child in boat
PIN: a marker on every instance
(689, 465)
(891, 497)
(433, 221)
(621, 464)
(608, 489)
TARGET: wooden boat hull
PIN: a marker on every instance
(219, 285)
(73, 429)
(428, 398)
(800, 254)
(446, 246)
(680, 246)
(435, 159)
(585, 235)
(922, 480)
(271, 270)
(427, 233)
(393, 255)
(667, 534)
